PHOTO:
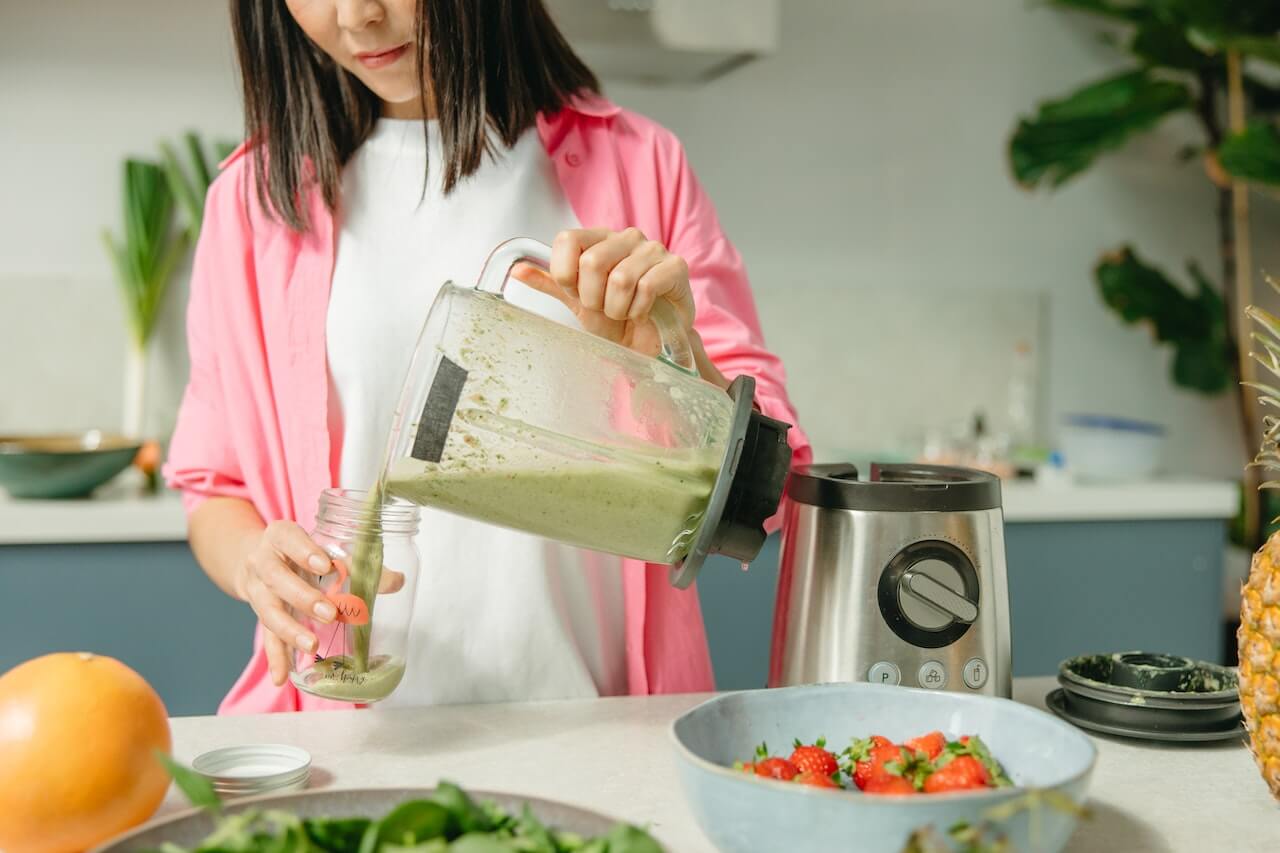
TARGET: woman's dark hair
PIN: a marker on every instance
(491, 66)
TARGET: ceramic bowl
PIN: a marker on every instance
(744, 814)
(1099, 448)
(62, 466)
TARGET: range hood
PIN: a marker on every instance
(667, 41)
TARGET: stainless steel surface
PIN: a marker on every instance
(829, 625)
(941, 589)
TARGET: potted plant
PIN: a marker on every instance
(152, 246)
(1218, 63)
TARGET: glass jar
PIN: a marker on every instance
(360, 657)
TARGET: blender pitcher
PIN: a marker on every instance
(514, 419)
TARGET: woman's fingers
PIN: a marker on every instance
(297, 593)
(623, 280)
(667, 279)
(391, 581)
(566, 252)
(291, 541)
(598, 261)
(541, 280)
(272, 615)
(277, 658)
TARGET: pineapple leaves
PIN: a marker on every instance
(1194, 325)
(1067, 135)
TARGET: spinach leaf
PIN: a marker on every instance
(624, 838)
(407, 824)
(482, 842)
(196, 788)
(340, 835)
(467, 816)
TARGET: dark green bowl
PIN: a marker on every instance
(62, 466)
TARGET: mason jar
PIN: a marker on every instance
(361, 656)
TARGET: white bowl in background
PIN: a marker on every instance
(1103, 448)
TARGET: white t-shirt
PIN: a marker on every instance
(498, 615)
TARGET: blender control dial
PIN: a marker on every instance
(928, 594)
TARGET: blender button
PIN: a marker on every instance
(975, 673)
(932, 675)
(883, 672)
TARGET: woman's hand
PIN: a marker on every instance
(611, 281)
(270, 580)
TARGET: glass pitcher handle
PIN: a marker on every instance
(493, 279)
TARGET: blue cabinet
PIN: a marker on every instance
(1074, 587)
(149, 605)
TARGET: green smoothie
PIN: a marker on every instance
(337, 678)
(648, 510)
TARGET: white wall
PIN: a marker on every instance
(867, 154)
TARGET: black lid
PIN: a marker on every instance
(748, 490)
(756, 489)
(895, 488)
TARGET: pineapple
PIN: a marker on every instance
(1259, 633)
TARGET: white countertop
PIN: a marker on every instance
(126, 517)
(612, 755)
(1143, 501)
(114, 517)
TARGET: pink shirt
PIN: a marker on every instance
(254, 419)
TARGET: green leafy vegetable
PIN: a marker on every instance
(408, 824)
(336, 836)
(196, 788)
(467, 816)
(449, 822)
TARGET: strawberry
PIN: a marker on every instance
(817, 780)
(772, 768)
(931, 744)
(869, 757)
(974, 746)
(776, 768)
(815, 758)
(889, 784)
(744, 767)
(960, 773)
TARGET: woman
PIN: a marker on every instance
(392, 144)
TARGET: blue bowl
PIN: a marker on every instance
(745, 814)
(62, 466)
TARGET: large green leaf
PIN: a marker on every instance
(1067, 135)
(1231, 18)
(1263, 96)
(1162, 42)
(1261, 47)
(1253, 154)
(1193, 325)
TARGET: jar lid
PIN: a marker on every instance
(239, 771)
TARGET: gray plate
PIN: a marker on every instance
(1141, 715)
(1056, 701)
(189, 828)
